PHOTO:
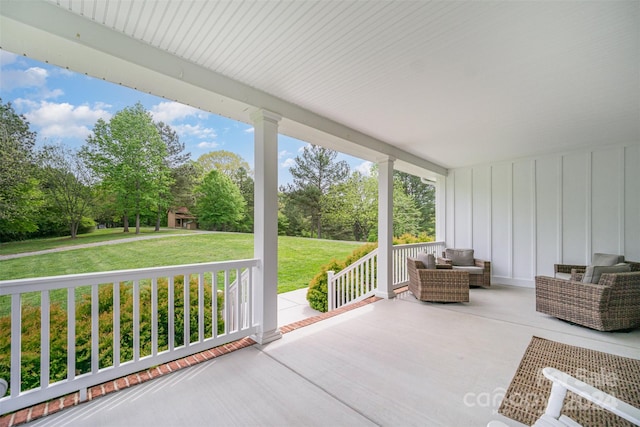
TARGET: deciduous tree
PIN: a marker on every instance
(219, 204)
(424, 194)
(175, 158)
(352, 206)
(243, 179)
(19, 193)
(128, 154)
(223, 161)
(406, 215)
(238, 170)
(67, 182)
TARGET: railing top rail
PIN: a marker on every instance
(409, 245)
(357, 263)
(8, 287)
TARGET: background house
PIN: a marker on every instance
(181, 218)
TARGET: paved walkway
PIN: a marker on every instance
(293, 306)
(90, 245)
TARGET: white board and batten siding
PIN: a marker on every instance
(527, 214)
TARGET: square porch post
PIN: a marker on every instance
(265, 237)
(441, 210)
(385, 228)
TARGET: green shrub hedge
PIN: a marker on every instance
(407, 238)
(317, 292)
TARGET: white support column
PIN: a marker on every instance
(441, 209)
(265, 237)
(385, 228)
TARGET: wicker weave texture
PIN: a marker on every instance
(483, 280)
(526, 398)
(437, 285)
(612, 304)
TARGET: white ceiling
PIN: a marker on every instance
(455, 83)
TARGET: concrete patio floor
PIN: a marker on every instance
(395, 362)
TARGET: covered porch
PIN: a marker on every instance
(525, 115)
(391, 362)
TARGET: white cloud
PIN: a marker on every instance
(55, 93)
(102, 105)
(283, 153)
(195, 130)
(65, 120)
(31, 77)
(25, 104)
(210, 144)
(250, 130)
(168, 111)
(288, 163)
(364, 168)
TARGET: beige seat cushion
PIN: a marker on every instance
(469, 269)
(593, 273)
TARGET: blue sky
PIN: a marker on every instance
(62, 107)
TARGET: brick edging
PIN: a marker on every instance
(56, 405)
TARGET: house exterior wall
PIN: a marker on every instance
(527, 214)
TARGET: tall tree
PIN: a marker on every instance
(352, 207)
(238, 170)
(242, 178)
(406, 215)
(219, 204)
(186, 178)
(424, 194)
(19, 194)
(128, 154)
(314, 172)
(67, 181)
(223, 161)
(175, 158)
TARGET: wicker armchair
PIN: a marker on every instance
(437, 285)
(564, 270)
(611, 304)
(479, 273)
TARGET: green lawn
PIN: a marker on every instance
(299, 259)
(93, 237)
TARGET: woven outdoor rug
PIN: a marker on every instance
(526, 398)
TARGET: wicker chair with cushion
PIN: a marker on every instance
(437, 284)
(463, 260)
(563, 271)
(611, 303)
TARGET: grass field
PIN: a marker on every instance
(299, 259)
(96, 236)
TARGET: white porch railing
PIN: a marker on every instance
(234, 293)
(358, 281)
(192, 289)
